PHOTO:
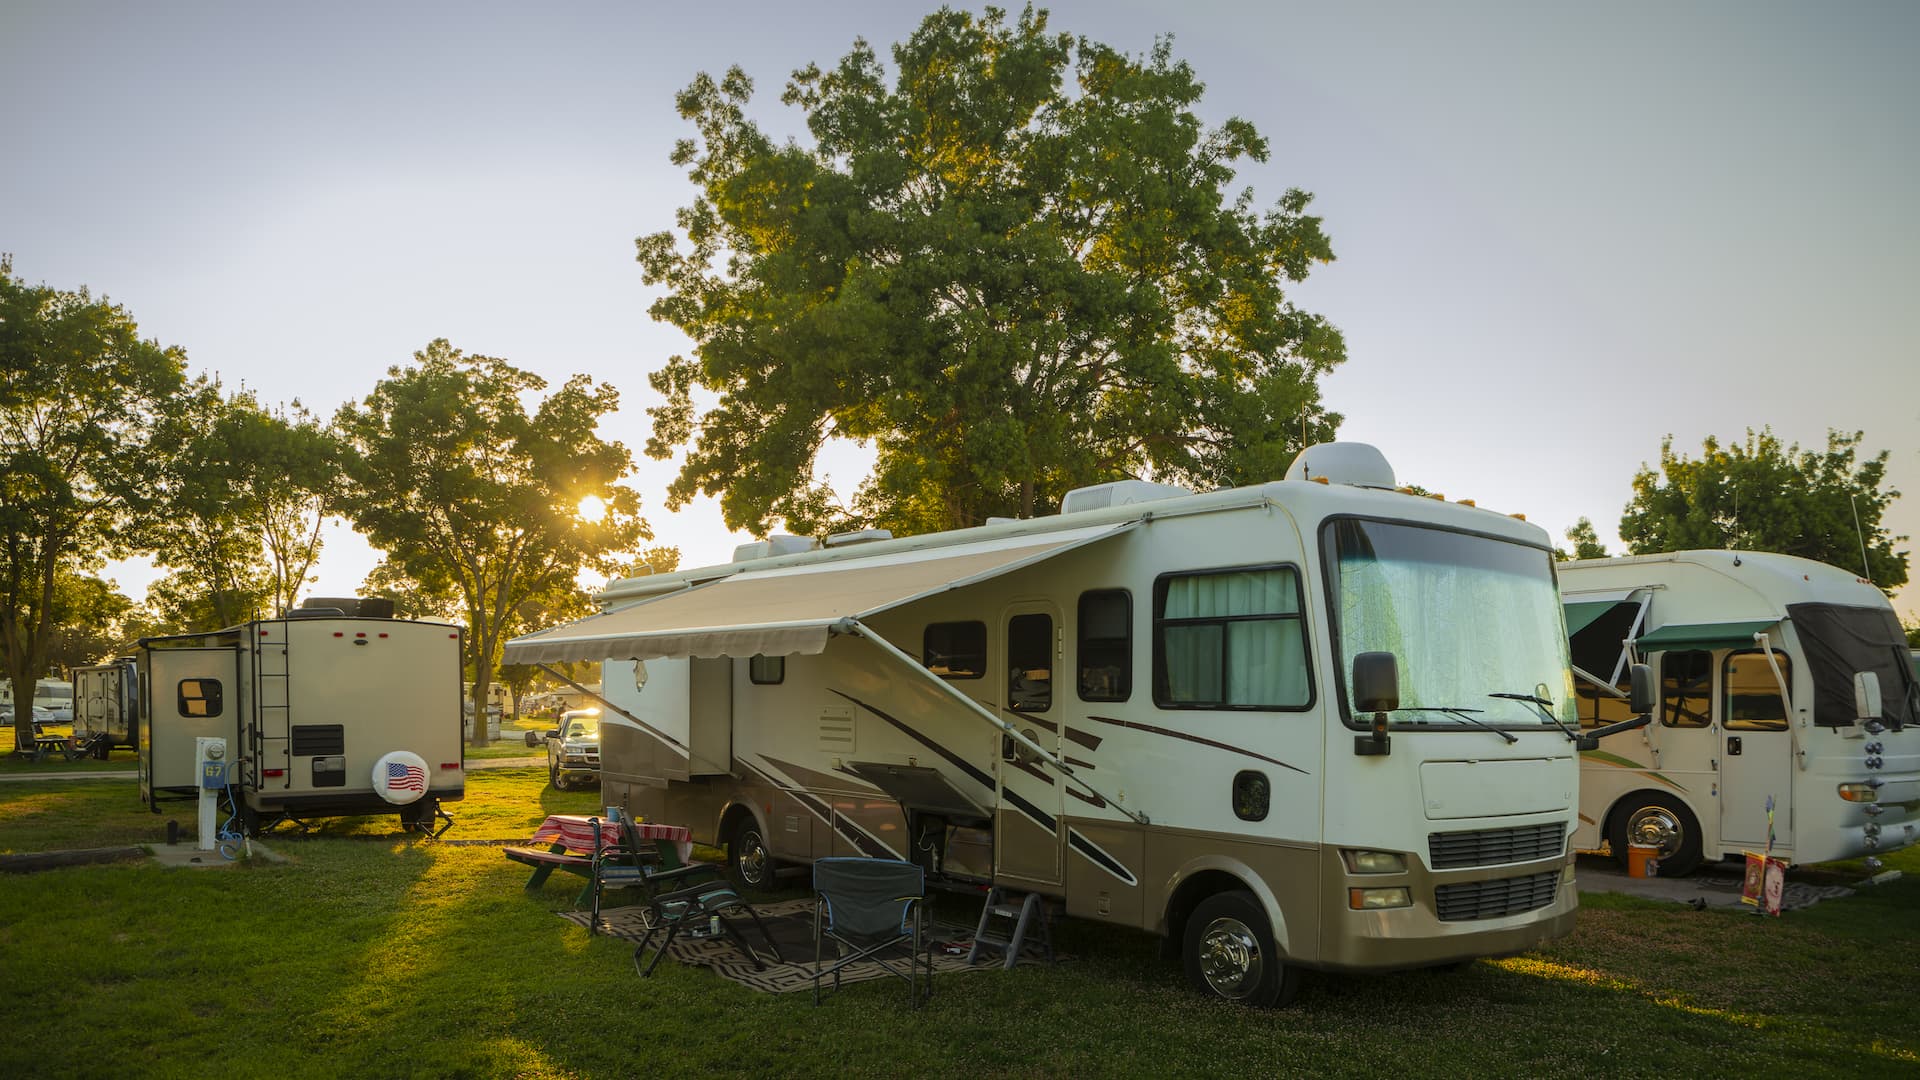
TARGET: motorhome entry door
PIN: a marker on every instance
(1028, 843)
(1756, 751)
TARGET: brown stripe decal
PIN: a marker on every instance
(1091, 742)
(1183, 736)
(1037, 721)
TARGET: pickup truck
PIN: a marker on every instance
(573, 748)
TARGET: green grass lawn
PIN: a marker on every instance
(369, 952)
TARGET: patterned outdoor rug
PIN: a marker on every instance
(1798, 894)
(791, 923)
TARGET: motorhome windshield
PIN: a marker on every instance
(1473, 621)
(1839, 642)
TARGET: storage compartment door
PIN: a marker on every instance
(710, 720)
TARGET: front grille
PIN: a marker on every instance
(1494, 847)
(1492, 899)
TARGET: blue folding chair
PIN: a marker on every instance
(869, 908)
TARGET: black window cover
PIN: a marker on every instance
(1839, 641)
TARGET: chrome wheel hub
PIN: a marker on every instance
(1655, 827)
(1230, 958)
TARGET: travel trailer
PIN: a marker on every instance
(326, 712)
(1316, 723)
(106, 705)
(1787, 709)
(52, 699)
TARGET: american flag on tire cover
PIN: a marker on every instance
(402, 777)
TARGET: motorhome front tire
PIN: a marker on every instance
(1656, 820)
(1229, 953)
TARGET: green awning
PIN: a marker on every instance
(1581, 614)
(1726, 635)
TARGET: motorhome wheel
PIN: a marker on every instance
(747, 856)
(1229, 953)
(1659, 821)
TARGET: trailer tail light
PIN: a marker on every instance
(1860, 793)
(337, 633)
(1375, 899)
(273, 773)
(449, 764)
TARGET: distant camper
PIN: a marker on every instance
(1778, 680)
(106, 706)
(337, 709)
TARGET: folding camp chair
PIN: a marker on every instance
(678, 901)
(620, 861)
(867, 907)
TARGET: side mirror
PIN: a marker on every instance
(533, 738)
(1376, 682)
(1376, 690)
(1640, 693)
(1866, 695)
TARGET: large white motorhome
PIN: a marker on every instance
(106, 705)
(326, 712)
(1313, 723)
(1759, 738)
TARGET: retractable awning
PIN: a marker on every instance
(1726, 635)
(786, 610)
(1584, 608)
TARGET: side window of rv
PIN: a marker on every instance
(1686, 689)
(955, 650)
(767, 670)
(1106, 645)
(198, 697)
(1752, 695)
(1230, 639)
(1030, 662)
(1597, 707)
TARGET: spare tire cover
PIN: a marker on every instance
(400, 777)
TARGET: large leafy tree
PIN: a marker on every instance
(84, 405)
(1762, 496)
(464, 488)
(93, 622)
(1013, 267)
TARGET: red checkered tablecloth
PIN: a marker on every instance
(575, 832)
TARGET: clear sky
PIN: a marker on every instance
(1563, 231)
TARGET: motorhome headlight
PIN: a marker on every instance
(1376, 899)
(1373, 862)
(1860, 793)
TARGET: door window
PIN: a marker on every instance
(1030, 662)
(1753, 701)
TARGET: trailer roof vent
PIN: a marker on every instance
(859, 536)
(1354, 463)
(775, 545)
(1118, 493)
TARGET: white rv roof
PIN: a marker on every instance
(789, 609)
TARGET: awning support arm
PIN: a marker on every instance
(643, 725)
(1786, 698)
(1626, 645)
(855, 628)
(1604, 687)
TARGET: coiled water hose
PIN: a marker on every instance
(232, 836)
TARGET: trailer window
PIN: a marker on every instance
(1106, 645)
(1030, 662)
(767, 670)
(1686, 689)
(1751, 693)
(955, 650)
(1230, 639)
(198, 697)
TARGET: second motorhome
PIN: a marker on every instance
(1317, 723)
(1765, 665)
(325, 712)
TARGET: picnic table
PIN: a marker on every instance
(570, 840)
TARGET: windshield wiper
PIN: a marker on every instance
(1464, 714)
(1545, 705)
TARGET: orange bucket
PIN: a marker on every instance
(1643, 860)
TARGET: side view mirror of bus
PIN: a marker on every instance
(1866, 695)
(1376, 682)
(1640, 692)
(1376, 690)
